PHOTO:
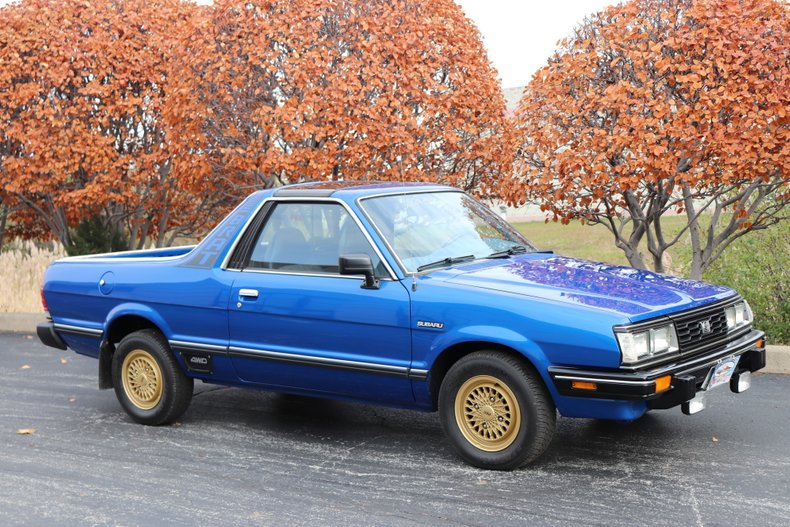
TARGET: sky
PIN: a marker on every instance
(520, 35)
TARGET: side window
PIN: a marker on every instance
(310, 238)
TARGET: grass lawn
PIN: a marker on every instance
(595, 242)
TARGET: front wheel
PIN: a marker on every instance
(496, 411)
(148, 381)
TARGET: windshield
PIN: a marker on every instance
(426, 228)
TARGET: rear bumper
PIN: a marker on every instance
(47, 335)
(687, 376)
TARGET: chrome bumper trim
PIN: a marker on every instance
(648, 377)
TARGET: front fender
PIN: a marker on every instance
(495, 336)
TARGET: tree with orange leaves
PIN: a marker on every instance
(657, 107)
(81, 86)
(266, 92)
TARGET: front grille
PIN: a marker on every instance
(701, 328)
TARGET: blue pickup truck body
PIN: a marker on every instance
(324, 335)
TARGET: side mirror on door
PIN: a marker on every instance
(359, 264)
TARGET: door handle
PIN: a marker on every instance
(248, 293)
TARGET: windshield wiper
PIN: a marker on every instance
(516, 249)
(447, 261)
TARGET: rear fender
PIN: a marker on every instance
(138, 310)
(108, 348)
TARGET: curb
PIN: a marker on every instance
(20, 322)
(777, 360)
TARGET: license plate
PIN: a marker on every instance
(721, 373)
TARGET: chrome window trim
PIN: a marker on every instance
(317, 275)
(349, 210)
(239, 236)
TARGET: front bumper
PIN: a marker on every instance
(687, 374)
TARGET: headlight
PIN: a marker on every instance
(640, 345)
(738, 315)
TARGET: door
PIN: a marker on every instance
(297, 324)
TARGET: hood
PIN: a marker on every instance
(630, 292)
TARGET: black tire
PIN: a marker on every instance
(514, 429)
(150, 385)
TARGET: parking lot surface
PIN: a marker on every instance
(245, 457)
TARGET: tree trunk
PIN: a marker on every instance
(634, 256)
(3, 221)
(162, 233)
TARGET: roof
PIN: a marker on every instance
(330, 188)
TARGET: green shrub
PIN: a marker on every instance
(758, 266)
(92, 237)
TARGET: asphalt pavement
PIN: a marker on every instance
(245, 457)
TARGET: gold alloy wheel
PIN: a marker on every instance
(487, 413)
(142, 379)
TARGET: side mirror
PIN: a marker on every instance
(359, 263)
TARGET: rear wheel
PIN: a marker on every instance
(148, 381)
(496, 411)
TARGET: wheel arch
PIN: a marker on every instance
(123, 321)
(455, 352)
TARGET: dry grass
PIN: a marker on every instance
(22, 267)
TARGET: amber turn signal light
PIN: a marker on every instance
(583, 385)
(663, 383)
(760, 343)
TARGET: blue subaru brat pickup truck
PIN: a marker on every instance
(410, 295)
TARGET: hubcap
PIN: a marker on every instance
(142, 379)
(487, 413)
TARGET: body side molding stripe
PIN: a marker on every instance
(196, 346)
(417, 374)
(78, 330)
(308, 360)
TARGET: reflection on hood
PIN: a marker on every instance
(621, 289)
